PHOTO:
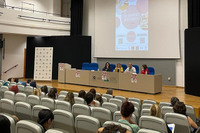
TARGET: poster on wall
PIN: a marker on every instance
(43, 63)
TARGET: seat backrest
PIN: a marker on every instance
(135, 100)
(108, 96)
(153, 123)
(94, 66)
(48, 102)
(35, 110)
(117, 123)
(20, 97)
(98, 103)
(137, 68)
(56, 131)
(85, 66)
(26, 126)
(102, 114)
(146, 106)
(112, 66)
(63, 105)
(1, 84)
(117, 116)
(180, 121)
(145, 112)
(75, 94)
(42, 95)
(111, 106)
(63, 120)
(63, 93)
(49, 87)
(61, 97)
(147, 131)
(2, 81)
(81, 109)
(123, 99)
(162, 104)
(28, 90)
(104, 99)
(165, 110)
(33, 100)
(116, 101)
(86, 124)
(147, 101)
(9, 95)
(124, 66)
(136, 113)
(98, 93)
(190, 112)
(136, 104)
(12, 120)
(21, 88)
(79, 100)
(2, 90)
(7, 106)
(23, 111)
(151, 70)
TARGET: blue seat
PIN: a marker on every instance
(124, 66)
(94, 66)
(85, 66)
(137, 68)
(151, 70)
(112, 66)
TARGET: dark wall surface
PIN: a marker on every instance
(66, 49)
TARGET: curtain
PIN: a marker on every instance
(193, 13)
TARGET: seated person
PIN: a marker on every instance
(110, 92)
(118, 68)
(130, 69)
(93, 91)
(107, 67)
(173, 101)
(113, 129)
(89, 99)
(45, 118)
(127, 110)
(180, 108)
(6, 83)
(53, 93)
(26, 83)
(81, 94)
(99, 98)
(33, 84)
(44, 89)
(17, 80)
(36, 92)
(14, 89)
(156, 111)
(4, 124)
(70, 98)
(144, 69)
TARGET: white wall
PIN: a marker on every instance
(14, 54)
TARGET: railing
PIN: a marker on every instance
(10, 69)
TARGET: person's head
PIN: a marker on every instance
(14, 89)
(115, 128)
(127, 109)
(33, 84)
(99, 98)
(107, 65)
(45, 118)
(28, 81)
(44, 89)
(16, 80)
(180, 108)
(4, 124)
(36, 92)
(144, 66)
(109, 91)
(118, 65)
(70, 98)
(174, 100)
(11, 79)
(81, 94)
(89, 98)
(93, 91)
(52, 93)
(130, 65)
(155, 111)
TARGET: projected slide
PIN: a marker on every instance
(131, 25)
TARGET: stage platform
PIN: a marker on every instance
(164, 96)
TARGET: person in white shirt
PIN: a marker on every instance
(130, 69)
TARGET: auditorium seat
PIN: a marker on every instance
(2, 81)
(104, 99)
(190, 112)
(81, 109)
(2, 90)
(7, 106)
(146, 106)
(98, 103)
(12, 120)
(123, 99)
(20, 97)
(42, 95)
(124, 66)
(137, 68)
(48, 102)
(162, 104)
(40, 86)
(147, 101)
(102, 114)
(94, 66)
(85, 66)
(153, 123)
(117, 116)
(26, 126)
(86, 124)
(145, 112)
(33, 100)
(28, 90)
(64, 105)
(61, 97)
(64, 120)
(63, 93)
(18, 83)
(49, 87)
(1, 84)
(23, 111)
(75, 94)
(165, 110)
(111, 106)
(135, 100)
(180, 121)
(79, 100)
(151, 70)
(21, 88)
(56, 131)
(136, 104)
(11, 84)
(136, 113)
(9, 95)
(118, 123)
(112, 67)
(108, 96)
(118, 102)
(35, 110)
(98, 93)
(147, 131)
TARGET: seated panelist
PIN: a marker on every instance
(144, 69)
(118, 68)
(130, 69)
(107, 67)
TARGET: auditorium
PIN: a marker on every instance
(99, 66)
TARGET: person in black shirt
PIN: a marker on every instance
(107, 67)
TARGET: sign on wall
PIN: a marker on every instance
(43, 63)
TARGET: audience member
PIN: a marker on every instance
(144, 69)
(113, 129)
(11, 79)
(99, 98)
(33, 84)
(180, 108)
(107, 67)
(109, 91)
(14, 89)
(81, 94)
(44, 89)
(173, 101)
(7, 82)
(16, 80)
(127, 110)
(70, 98)
(118, 68)
(130, 69)
(36, 92)
(89, 99)
(28, 81)
(45, 118)
(93, 91)
(52, 93)
(4, 124)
